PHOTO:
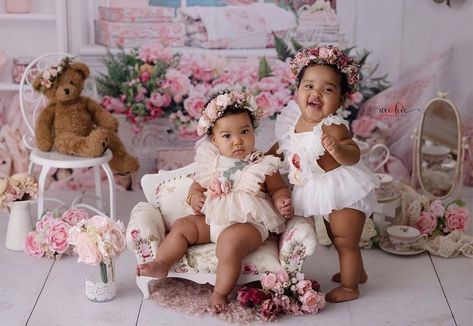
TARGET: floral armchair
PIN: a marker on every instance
(166, 192)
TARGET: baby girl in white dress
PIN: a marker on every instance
(238, 195)
(324, 162)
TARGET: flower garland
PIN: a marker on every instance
(51, 75)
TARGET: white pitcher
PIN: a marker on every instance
(19, 225)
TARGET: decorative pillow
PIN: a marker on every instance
(171, 199)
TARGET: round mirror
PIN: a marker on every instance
(439, 148)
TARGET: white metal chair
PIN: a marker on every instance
(35, 101)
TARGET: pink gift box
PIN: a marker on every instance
(131, 42)
(148, 14)
(128, 3)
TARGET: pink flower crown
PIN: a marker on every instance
(51, 75)
(217, 106)
(329, 55)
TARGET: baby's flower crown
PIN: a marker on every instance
(328, 55)
(51, 75)
(217, 106)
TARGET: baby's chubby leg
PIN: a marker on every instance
(184, 232)
(233, 244)
(346, 226)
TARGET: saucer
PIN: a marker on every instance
(390, 192)
(386, 245)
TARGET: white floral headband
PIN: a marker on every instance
(220, 103)
(51, 75)
(328, 55)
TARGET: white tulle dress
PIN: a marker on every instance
(317, 192)
(233, 186)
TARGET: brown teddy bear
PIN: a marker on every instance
(75, 124)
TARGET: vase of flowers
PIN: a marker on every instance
(16, 193)
(98, 241)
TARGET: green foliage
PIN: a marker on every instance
(264, 69)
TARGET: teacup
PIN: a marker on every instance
(385, 181)
(403, 237)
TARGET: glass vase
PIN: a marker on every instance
(100, 282)
(19, 225)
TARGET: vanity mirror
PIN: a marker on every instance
(438, 152)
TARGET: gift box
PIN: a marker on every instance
(147, 14)
(114, 34)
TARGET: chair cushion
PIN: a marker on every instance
(202, 259)
(171, 199)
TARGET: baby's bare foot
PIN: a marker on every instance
(218, 302)
(157, 269)
(363, 277)
(342, 294)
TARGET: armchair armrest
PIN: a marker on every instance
(145, 231)
(297, 242)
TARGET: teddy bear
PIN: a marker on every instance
(75, 124)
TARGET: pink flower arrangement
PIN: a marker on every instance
(283, 293)
(18, 187)
(51, 237)
(437, 219)
(152, 82)
(97, 239)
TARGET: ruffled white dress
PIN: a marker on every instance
(234, 188)
(317, 192)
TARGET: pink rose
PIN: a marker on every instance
(114, 104)
(456, 218)
(283, 301)
(309, 302)
(265, 101)
(177, 84)
(33, 248)
(214, 188)
(303, 286)
(194, 106)
(269, 309)
(436, 208)
(160, 100)
(58, 237)
(294, 309)
(268, 281)
(98, 222)
(283, 277)
(45, 223)
(87, 251)
(225, 185)
(74, 215)
(363, 126)
(426, 223)
(356, 97)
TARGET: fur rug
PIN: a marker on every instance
(192, 298)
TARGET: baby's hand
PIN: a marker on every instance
(330, 143)
(284, 207)
(197, 202)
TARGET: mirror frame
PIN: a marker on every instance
(417, 155)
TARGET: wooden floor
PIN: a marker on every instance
(413, 290)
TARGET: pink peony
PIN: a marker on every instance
(363, 126)
(87, 250)
(251, 297)
(426, 223)
(268, 281)
(265, 101)
(303, 286)
(310, 300)
(456, 218)
(74, 215)
(98, 222)
(33, 248)
(160, 100)
(269, 310)
(436, 208)
(58, 237)
(177, 83)
(282, 277)
(194, 106)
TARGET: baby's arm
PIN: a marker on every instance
(337, 140)
(279, 192)
(195, 197)
(274, 151)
